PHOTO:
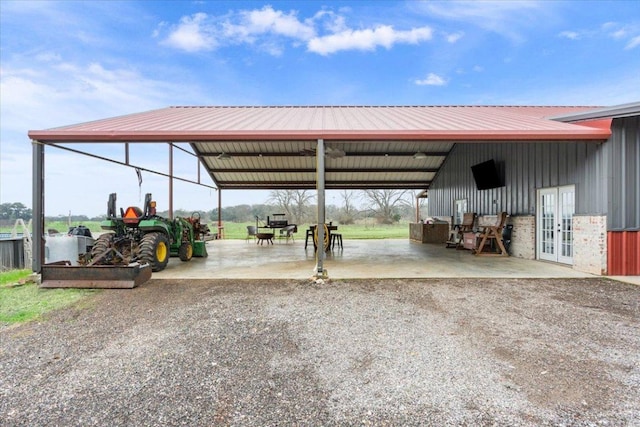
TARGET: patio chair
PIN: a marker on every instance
(457, 232)
(252, 230)
(493, 234)
(287, 232)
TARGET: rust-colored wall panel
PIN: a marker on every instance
(623, 250)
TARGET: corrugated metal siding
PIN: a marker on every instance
(623, 220)
(527, 167)
(11, 254)
(624, 204)
(623, 253)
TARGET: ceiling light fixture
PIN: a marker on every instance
(419, 155)
(223, 156)
(332, 153)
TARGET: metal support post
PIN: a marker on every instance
(38, 207)
(220, 228)
(170, 181)
(319, 271)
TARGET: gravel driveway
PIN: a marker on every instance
(508, 352)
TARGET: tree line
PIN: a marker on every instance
(299, 206)
(13, 211)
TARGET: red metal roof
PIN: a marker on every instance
(455, 123)
(273, 147)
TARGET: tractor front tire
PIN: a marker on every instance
(185, 252)
(154, 250)
(101, 246)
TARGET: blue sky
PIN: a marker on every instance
(65, 62)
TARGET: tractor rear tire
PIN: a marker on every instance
(154, 250)
(185, 252)
(102, 245)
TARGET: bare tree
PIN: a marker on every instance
(294, 203)
(348, 210)
(386, 203)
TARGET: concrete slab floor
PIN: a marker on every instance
(389, 258)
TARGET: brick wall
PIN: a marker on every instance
(523, 236)
(590, 244)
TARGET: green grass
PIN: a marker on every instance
(25, 302)
(63, 226)
(363, 230)
(13, 276)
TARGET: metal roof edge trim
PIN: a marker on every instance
(576, 133)
(622, 110)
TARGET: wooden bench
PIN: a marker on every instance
(490, 234)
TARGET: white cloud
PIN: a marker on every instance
(331, 21)
(368, 39)
(633, 43)
(478, 68)
(432, 80)
(192, 34)
(67, 93)
(507, 18)
(64, 93)
(269, 29)
(48, 57)
(571, 35)
(202, 32)
(266, 28)
(628, 33)
(452, 38)
(268, 20)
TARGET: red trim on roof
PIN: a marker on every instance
(604, 124)
(471, 123)
(177, 136)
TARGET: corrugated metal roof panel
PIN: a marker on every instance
(373, 123)
(273, 147)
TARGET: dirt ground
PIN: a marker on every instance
(477, 352)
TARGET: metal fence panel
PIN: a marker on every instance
(12, 254)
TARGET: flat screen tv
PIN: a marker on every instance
(486, 175)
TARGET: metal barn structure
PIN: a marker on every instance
(576, 203)
(423, 147)
(622, 189)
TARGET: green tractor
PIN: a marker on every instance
(144, 237)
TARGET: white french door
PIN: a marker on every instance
(556, 207)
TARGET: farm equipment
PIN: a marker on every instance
(144, 237)
(136, 243)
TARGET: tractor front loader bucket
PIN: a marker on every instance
(97, 276)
